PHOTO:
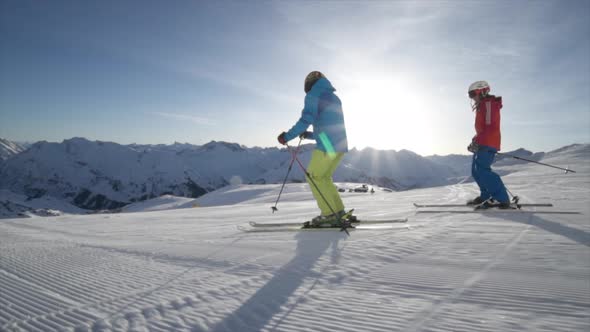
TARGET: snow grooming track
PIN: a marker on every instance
(457, 292)
(127, 309)
(502, 286)
(337, 278)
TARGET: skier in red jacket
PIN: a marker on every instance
(484, 145)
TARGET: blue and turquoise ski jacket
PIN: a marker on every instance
(322, 110)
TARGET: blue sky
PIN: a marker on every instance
(196, 71)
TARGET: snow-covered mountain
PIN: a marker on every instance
(106, 175)
(15, 205)
(9, 149)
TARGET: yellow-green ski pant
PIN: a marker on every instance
(321, 168)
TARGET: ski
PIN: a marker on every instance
(259, 229)
(495, 210)
(471, 206)
(359, 222)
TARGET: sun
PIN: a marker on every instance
(385, 113)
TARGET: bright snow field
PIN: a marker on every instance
(191, 269)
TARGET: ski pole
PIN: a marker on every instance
(293, 157)
(536, 162)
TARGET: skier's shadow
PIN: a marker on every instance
(577, 235)
(268, 301)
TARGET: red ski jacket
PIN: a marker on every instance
(487, 122)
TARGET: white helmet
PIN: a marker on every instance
(478, 88)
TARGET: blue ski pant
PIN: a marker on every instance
(490, 184)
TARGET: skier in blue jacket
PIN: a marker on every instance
(322, 110)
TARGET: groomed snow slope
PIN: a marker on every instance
(192, 270)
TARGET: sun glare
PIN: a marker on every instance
(388, 114)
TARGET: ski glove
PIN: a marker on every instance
(282, 139)
(306, 135)
(473, 147)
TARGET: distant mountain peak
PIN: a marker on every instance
(217, 144)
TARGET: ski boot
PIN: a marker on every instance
(476, 201)
(335, 220)
(492, 203)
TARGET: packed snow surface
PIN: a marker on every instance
(191, 269)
